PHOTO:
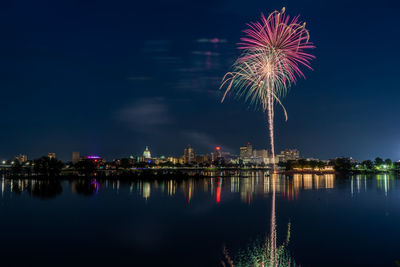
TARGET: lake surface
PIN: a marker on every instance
(333, 222)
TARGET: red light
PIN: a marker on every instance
(218, 148)
(218, 193)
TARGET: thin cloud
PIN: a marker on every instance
(212, 40)
(146, 115)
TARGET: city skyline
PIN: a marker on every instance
(199, 133)
(107, 80)
(247, 153)
(66, 156)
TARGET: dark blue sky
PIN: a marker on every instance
(111, 77)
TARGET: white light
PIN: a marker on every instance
(4, 162)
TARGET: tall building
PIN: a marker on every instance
(76, 157)
(21, 158)
(202, 159)
(51, 155)
(246, 151)
(260, 156)
(188, 156)
(146, 153)
(260, 153)
(218, 152)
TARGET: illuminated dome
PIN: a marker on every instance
(146, 153)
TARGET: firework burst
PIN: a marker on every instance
(274, 49)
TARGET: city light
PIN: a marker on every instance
(142, 133)
(93, 157)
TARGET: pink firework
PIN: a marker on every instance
(274, 49)
(278, 34)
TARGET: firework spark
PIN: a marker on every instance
(264, 254)
(274, 49)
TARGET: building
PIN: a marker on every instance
(248, 155)
(218, 152)
(146, 153)
(218, 156)
(97, 160)
(199, 159)
(289, 154)
(173, 160)
(260, 156)
(280, 158)
(51, 155)
(202, 159)
(188, 156)
(246, 151)
(21, 158)
(260, 153)
(76, 157)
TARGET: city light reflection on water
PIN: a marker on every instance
(246, 187)
(246, 184)
(203, 214)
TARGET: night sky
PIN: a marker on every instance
(110, 77)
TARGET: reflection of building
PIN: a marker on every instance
(75, 157)
(51, 155)
(146, 190)
(309, 181)
(146, 153)
(247, 189)
(188, 156)
(21, 158)
(383, 182)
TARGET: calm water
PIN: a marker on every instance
(352, 221)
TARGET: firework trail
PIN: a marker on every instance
(267, 253)
(274, 49)
(272, 246)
